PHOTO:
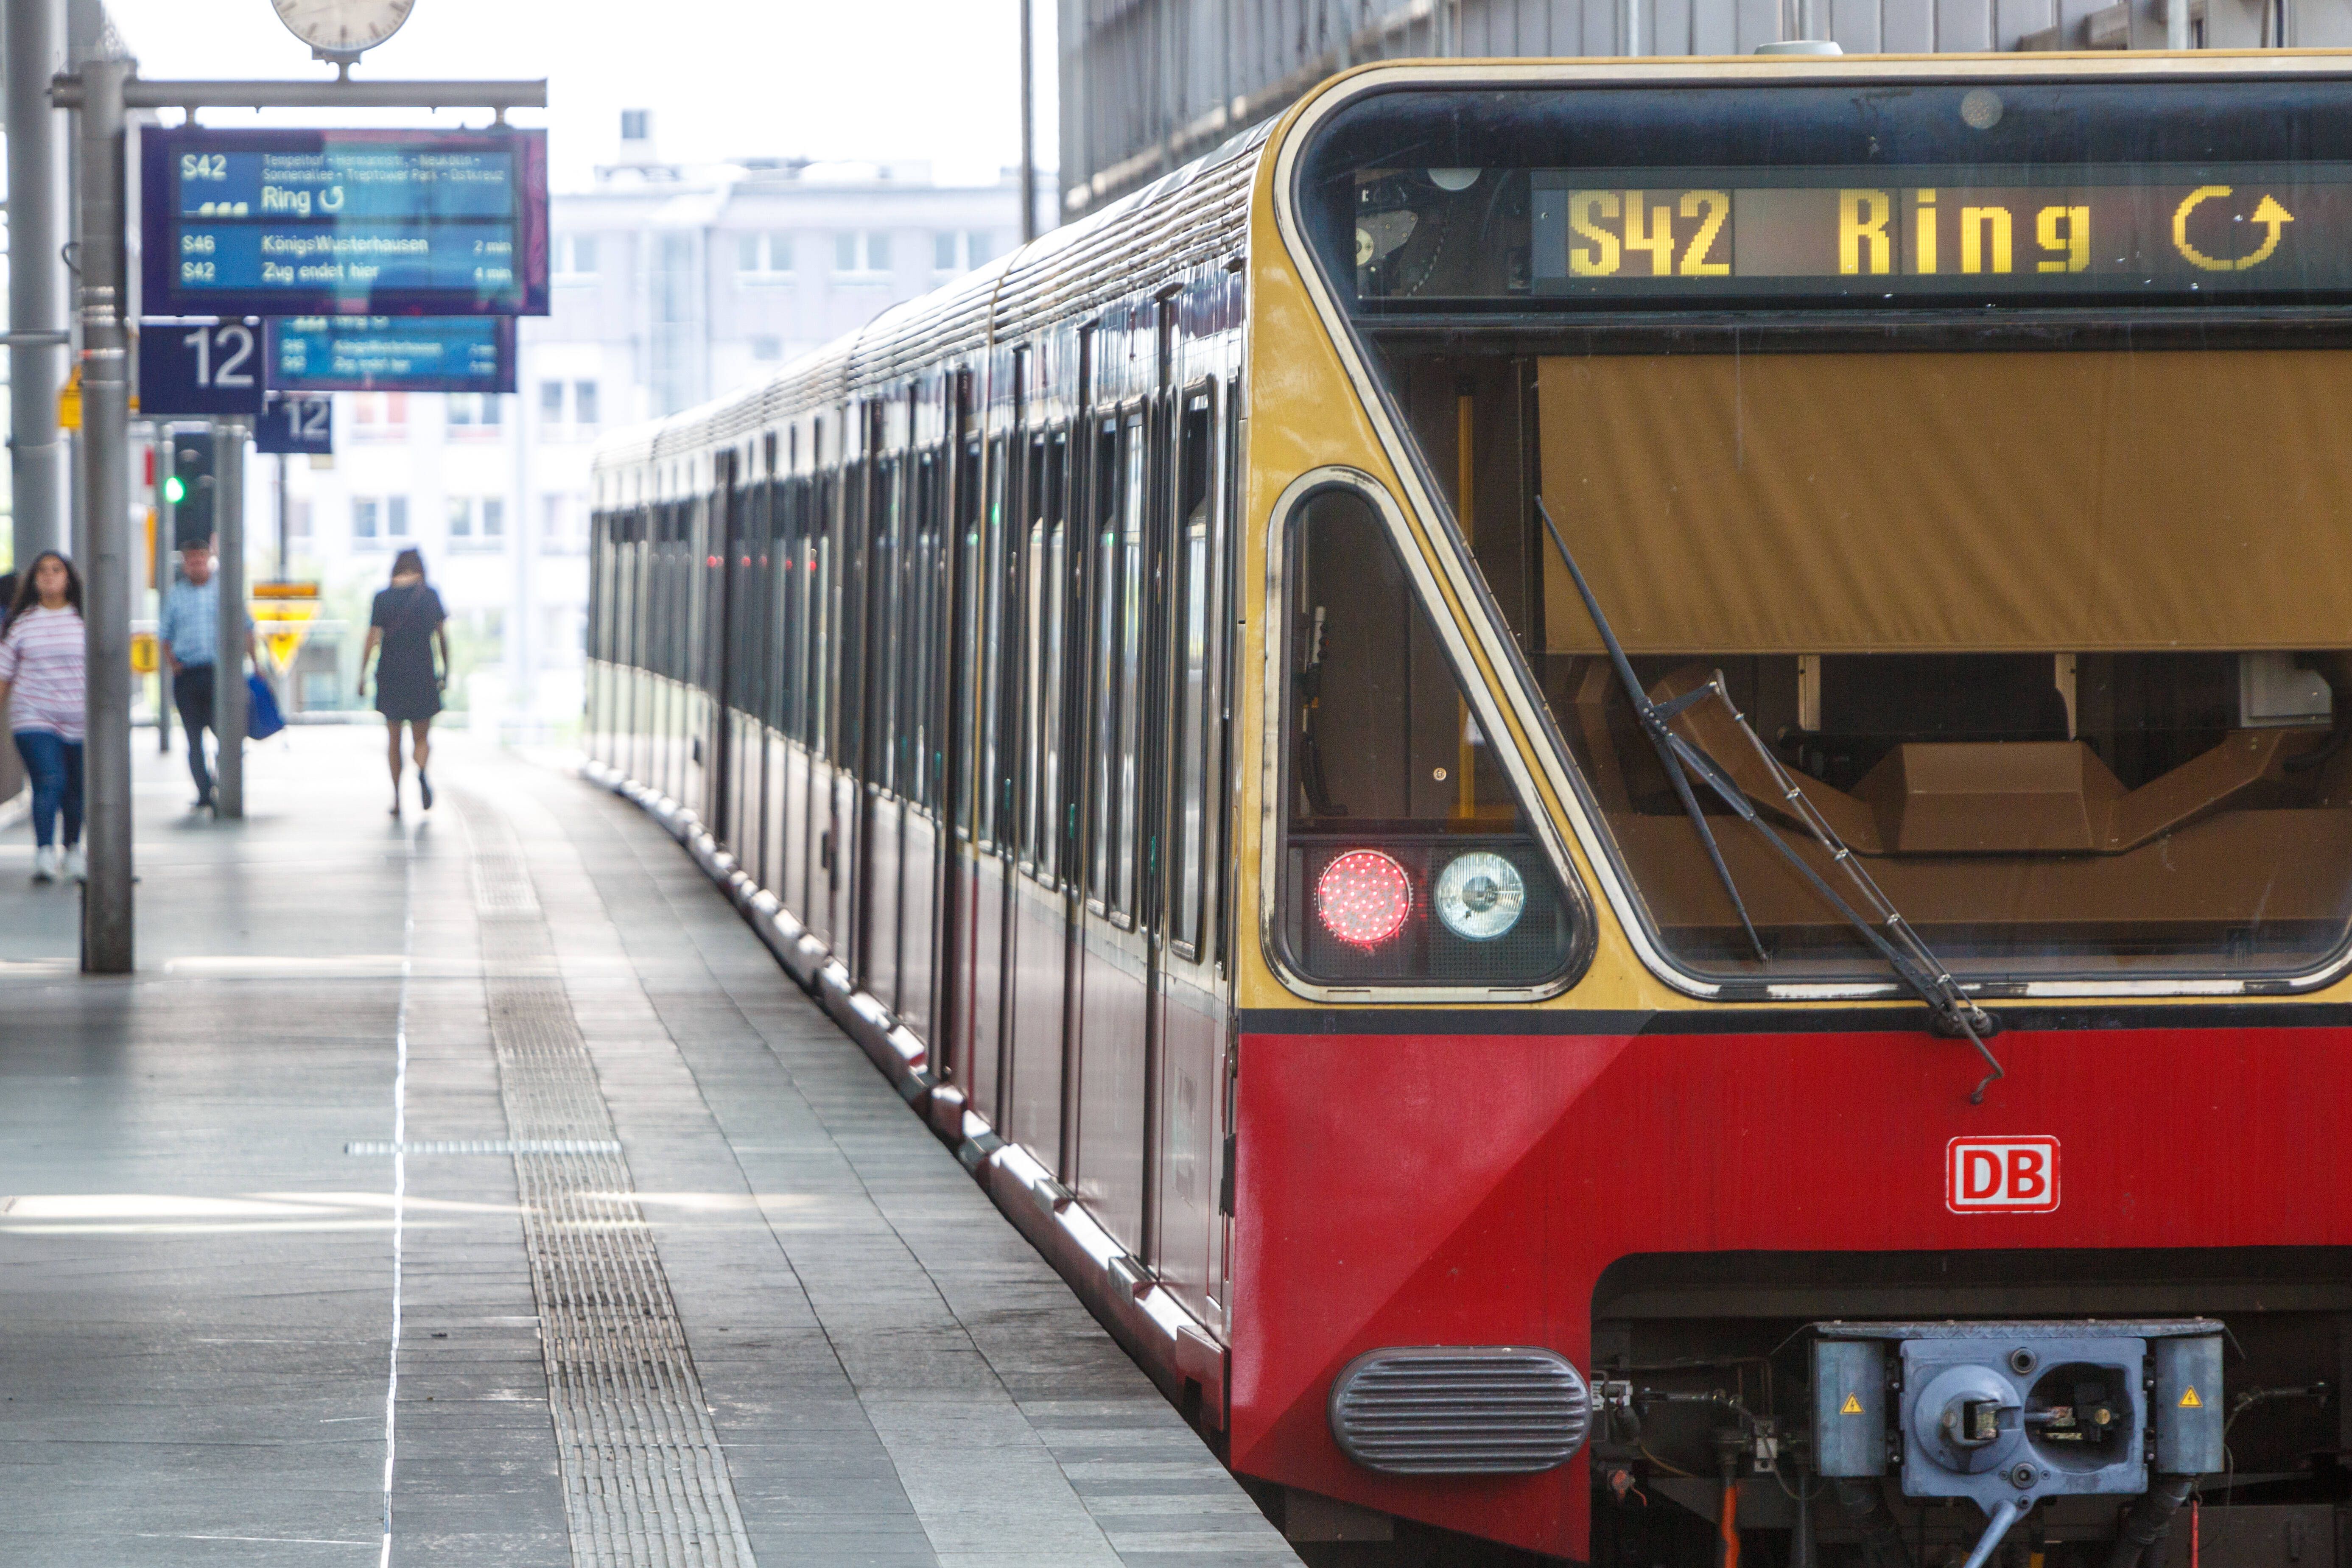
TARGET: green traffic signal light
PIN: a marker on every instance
(173, 491)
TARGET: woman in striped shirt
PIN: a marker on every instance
(41, 662)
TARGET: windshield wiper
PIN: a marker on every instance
(1951, 1011)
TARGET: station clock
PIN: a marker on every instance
(341, 29)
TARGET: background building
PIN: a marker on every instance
(1148, 84)
(670, 285)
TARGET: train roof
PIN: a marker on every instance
(1193, 215)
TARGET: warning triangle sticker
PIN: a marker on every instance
(1852, 1406)
(2189, 1401)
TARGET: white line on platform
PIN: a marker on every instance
(399, 1176)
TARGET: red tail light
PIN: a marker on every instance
(1363, 898)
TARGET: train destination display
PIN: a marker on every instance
(276, 223)
(391, 353)
(1915, 234)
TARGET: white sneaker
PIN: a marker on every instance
(45, 863)
(75, 870)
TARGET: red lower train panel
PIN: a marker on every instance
(1403, 1189)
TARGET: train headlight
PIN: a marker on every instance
(1480, 895)
(1363, 897)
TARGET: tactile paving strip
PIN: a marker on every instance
(644, 1480)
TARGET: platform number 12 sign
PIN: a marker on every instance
(296, 423)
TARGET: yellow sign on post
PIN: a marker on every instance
(283, 623)
(69, 402)
(282, 613)
(142, 653)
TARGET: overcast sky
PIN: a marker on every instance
(935, 79)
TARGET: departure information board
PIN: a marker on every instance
(2231, 229)
(278, 223)
(391, 353)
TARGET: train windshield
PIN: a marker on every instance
(1980, 434)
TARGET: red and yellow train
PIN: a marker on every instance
(1586, 777)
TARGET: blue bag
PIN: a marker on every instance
(262, 718)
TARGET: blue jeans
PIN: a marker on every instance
(55, 765)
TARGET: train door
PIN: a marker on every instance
(748, 663)
(1189, 1103)
(956, 916)
(824, 622)
(884, 833)
(847, 794)
(1041, 902)
(667, 626)
(1114, 1019)
(993, 870)
(795, 699)
(920, 730)
(717, 574)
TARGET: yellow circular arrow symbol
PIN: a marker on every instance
(2268, 213)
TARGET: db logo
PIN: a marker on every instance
(2013, 1175)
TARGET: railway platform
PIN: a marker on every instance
(474, 1187)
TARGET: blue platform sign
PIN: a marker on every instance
(296, 423)
(391, 353)
(211, 368)
(377, 223)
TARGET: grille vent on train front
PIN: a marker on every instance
(1459, 1410)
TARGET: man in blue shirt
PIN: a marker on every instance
(190, 634)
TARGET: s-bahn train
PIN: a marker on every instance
(1616, 792)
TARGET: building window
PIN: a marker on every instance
(764, 257)
(550, 403)
(476, 522)
(583, 405)
(960, 250)
(575, 258)
(298, 518)
(767, 348)
(377, 522)
(474, 411)
(866, 251)
(561, 524)
(380, 413)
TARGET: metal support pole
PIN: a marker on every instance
(1028, 129)
(1632, 27)
(105, 931)
(228, 571)
(165, 559)
(2176, 23)
(285, 572)
(36, 49)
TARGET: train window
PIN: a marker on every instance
(1188, 851)
(1032, 646)
(1228, 636)
(923, 644)
(889, 627)
(970, 570)
(995, 820)
(1050, 569)
(1133, 514)
(822, 619)
(856, 573)
(1393, 871)
(1102, 578)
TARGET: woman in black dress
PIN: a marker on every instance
(406, 622)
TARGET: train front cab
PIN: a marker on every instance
(1942, 415)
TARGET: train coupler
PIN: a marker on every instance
(2008, 1415)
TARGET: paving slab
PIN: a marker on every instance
(197, 1271)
